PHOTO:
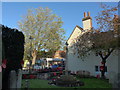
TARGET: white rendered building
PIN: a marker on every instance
(92, 62)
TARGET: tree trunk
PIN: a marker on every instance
(104, 58)
(103, 71)
(34, 55)
(34, 59)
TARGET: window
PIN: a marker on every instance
(97, 68)
(105, 68)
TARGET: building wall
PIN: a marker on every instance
(75, 34)
(89, 63)
(112, 64)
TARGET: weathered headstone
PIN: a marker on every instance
(0, 79)
(26, 84)
(46, 76)
(13, 79)
(0, 57)
(19, 78)
(111, 77)
(116, 83)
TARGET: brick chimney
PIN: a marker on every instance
(87, 21)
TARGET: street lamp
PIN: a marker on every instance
(66, 64)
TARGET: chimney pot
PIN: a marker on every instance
(84, 14)
(89, 14)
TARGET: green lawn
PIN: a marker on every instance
(89, 83)
(95, 83)
(37, 83)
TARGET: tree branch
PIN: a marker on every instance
(109, 52)
(100, 54)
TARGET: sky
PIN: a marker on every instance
(70, 12)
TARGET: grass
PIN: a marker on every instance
(37, 83)
(89, 83)
(95, 83)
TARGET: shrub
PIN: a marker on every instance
(84, 74)
(68, 78)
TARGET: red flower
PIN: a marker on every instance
(61, 72)
(102, 62)
(24, 76)
(98, 76)
(39, 69)
(101, 68)
(4, 62)
(22, 62)
(0, 68)
(53, 79)
(32, 76)
(54, 74)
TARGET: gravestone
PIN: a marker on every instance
(13, 79)
(27, 84)
(0, 80)
(112, 77)
(19, 78)
(116, 83)
(46, 75)
(0, 58)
